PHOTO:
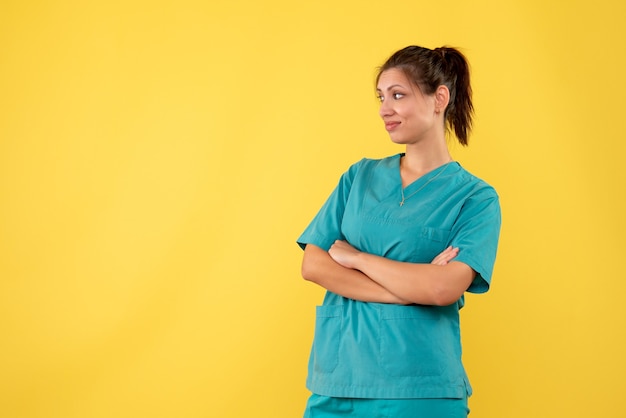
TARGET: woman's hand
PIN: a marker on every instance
(344, 254)
(445, 256)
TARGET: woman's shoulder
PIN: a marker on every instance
(384, 162)
(367, 167)
(474, 183)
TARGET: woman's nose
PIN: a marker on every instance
(385, 110)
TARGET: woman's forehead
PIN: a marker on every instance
(391, 77)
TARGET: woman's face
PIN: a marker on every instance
(409, 115)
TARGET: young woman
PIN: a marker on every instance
(396, 245)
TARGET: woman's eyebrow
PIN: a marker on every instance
(390, 87)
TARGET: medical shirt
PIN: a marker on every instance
(376, 350)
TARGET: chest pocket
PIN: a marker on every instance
(428, 243)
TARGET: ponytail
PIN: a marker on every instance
(458, 114)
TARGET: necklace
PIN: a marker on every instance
(425, 184)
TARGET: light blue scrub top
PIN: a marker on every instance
(375, 350)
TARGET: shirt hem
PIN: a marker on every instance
(337, 391)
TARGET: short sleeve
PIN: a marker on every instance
(476, 233)
(325, 228)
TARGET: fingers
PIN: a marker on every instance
(343, 253)
(445, 256)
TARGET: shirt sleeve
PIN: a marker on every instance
(325, 228)
(476, 234)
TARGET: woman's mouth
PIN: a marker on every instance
(390, 126)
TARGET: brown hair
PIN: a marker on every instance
(431, 68)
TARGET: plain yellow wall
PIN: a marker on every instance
(159, 159)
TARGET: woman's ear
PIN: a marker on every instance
(442, 98)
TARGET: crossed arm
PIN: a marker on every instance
(369, 278)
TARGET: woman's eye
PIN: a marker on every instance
(398, 96)
(380, 98)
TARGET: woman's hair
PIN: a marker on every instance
(431, 68)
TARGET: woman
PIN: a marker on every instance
(396, 245)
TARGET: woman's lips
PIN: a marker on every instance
(390, 126)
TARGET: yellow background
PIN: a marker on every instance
(159, 159)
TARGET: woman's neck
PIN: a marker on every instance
(419, 160)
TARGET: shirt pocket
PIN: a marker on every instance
(327, 338)
(427, 243)
(411, 342)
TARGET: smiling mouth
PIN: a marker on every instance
(390, 126)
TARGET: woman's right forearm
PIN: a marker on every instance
(318, 267)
